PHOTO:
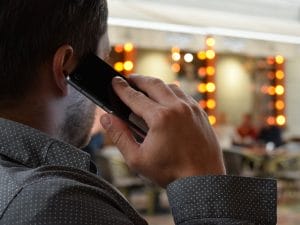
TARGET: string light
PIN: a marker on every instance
(201, 55)
(279, 59)
(281, 120)
(279, 105)
(210, 42)
(202, 104)
(210, 87)
(176, 67)
(128, 65)
(128, 47)
(210, 54)
(202, 88)
(202, 72)
(210, 71)
(279, 90)
(264, 89)
(211, 104)
(176, 56)
(119, 66)
(271, 120)
(188, 57)
(279, 74)
(119, 48)
(271, 90)
(212, 120)
(270, 60)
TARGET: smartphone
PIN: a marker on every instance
(93, 78)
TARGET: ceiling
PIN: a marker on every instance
(248, 26)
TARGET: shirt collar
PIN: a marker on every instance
(33, 148)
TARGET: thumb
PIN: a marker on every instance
(121, 136)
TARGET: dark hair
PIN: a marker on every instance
(32, 30)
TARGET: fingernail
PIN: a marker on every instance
(120, 81)
(105, 121)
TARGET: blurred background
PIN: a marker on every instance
(240, 60)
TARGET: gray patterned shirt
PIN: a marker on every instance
(46, 181)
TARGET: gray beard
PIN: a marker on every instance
(78, 122)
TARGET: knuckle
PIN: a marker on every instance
(156, 82)
(195, 107)
(132, 95)
(162, 115)
(183, 108)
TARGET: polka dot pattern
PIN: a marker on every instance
(240, 200)
(44, 181)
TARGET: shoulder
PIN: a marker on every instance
(64, 196)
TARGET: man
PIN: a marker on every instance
(44, 179)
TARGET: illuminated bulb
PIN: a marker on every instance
(279, 74)
(210, 71)
(212, 120)
(128, 47)
(176, 56)
(265, 89)
(279, 90)
(128, 65)
(211, 104)
(119, 48)
(201, 55)
(271, 120)
(202, 104)
(210, 87)
(210, 42)
(271, 90)
(202, 72)
(119, 66)
(270, 60)
(202, 88)
(188, 57)
(279, 59)
(210, 54)
(279, 105)
(280, 120)
(175, 67)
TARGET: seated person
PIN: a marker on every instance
(270, 133)
(246, 131)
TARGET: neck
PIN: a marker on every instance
(34, 114)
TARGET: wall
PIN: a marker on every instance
(234, 88)
(156, 64)
(293, 97)
(234, 92)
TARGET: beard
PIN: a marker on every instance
(79, 119)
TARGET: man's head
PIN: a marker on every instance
(40, 44)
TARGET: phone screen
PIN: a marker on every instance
(93, 78)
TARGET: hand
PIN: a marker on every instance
(180, 141)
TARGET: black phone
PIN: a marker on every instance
(93, 77)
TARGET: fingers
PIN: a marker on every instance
(135, 100)
(121, 136)
(154, 88)
(178, 92)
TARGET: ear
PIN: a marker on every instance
(63, 64)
